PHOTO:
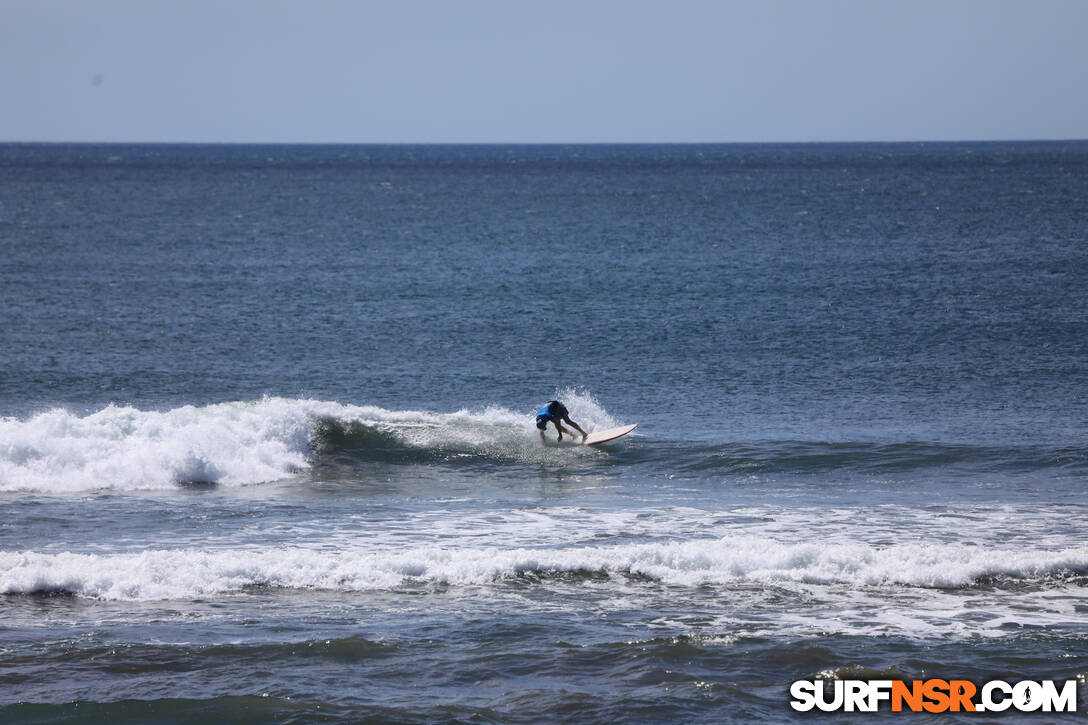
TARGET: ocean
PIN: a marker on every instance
(268, 454)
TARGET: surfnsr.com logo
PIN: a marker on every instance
(933, 695)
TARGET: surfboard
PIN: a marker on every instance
(603, 436)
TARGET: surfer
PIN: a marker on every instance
(555, 411)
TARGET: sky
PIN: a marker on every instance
(542, 71)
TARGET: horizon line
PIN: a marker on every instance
(91, 142)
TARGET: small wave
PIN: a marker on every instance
(186, 573)
(239, 443)
(746, 458)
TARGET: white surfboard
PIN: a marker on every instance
(603, 436)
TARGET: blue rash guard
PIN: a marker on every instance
(554, 409)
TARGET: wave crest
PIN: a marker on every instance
(239, 443)
(186, 573)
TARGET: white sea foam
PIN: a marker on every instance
(126, 448)
(190, 573)
(238, 443)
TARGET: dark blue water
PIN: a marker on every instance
(267, 449)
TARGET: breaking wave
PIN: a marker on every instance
(189, 573)
(241, 443)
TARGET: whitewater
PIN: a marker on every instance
(181, 574)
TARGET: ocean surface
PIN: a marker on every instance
(267, 450)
